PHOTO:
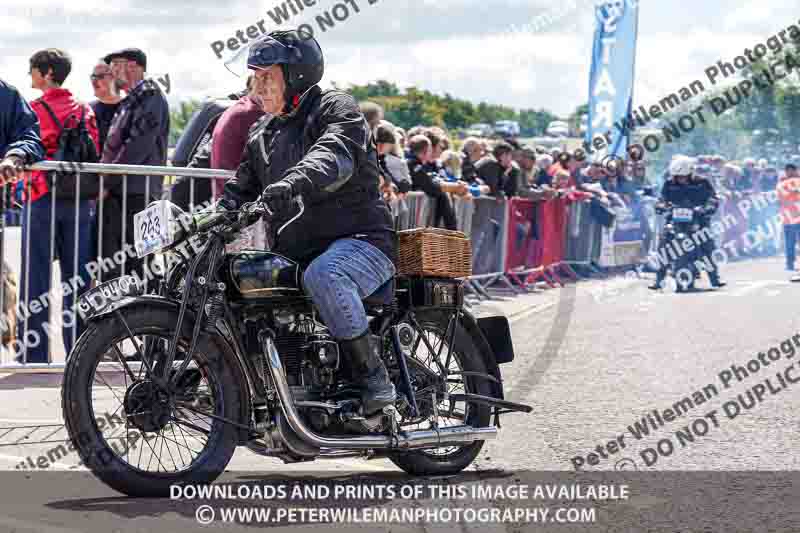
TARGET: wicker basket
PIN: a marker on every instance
(434, 252)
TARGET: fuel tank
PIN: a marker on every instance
(262, 274)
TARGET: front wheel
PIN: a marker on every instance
(430, 369)
(133, 435)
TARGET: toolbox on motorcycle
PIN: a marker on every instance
(431, 292)
(434, 252)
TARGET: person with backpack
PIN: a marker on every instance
(69, 133)
(193, 150)
(215, 137)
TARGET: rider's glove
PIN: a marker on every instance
(251, 212)
(278, 196)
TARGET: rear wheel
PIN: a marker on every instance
(432, 372)
(134, 436)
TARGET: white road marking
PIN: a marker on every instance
(750, 286)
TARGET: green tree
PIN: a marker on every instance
(416, 106)
(179, 118)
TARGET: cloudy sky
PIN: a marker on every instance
(490, 50)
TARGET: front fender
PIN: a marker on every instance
(144, 299)
(220, 342)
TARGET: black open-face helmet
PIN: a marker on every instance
(297, 52)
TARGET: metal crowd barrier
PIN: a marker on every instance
(505, 250)
(15, 354)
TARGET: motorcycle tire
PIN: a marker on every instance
(423, 463)
(81, 421)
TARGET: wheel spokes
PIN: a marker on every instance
(170, 434)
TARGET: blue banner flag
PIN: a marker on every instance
(611, 77)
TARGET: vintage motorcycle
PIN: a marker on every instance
(227, 350)
(682, 223)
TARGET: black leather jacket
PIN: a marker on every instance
(324, 149)
(698, 192)
(138, 136)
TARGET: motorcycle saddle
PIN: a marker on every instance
(382, 296)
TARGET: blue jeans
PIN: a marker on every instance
(35, 339)
(790, 233)
(339, 279)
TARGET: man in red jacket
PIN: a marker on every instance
(41, 223)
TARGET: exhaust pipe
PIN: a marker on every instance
(449, 436)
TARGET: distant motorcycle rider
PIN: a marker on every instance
(696, 193)
(317, 144)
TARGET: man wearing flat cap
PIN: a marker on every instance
(137, 136)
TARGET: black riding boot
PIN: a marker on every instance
(660, 275)
(369, 372)
(713, 277)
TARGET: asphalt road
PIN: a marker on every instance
(628, 350)
(592, 359)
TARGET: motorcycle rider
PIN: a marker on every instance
(317, 145)
(685, 191)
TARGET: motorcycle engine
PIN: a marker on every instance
(309, 354)
(314, 370)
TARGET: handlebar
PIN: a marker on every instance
(248, 214)
(212, 220)
(697, 210)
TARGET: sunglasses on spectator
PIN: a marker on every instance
(98, 77)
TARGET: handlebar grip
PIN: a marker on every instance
(210, 221)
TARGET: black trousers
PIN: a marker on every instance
(707, 256)
(121, 252)
(444, 211)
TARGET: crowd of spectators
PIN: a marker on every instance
(128, 123)
(425, 159)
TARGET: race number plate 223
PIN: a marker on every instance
(152, 228)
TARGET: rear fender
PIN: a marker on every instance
(216, 339)
(472, 327)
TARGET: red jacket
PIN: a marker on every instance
(789, 197)
(230, 137)
(63, 105)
